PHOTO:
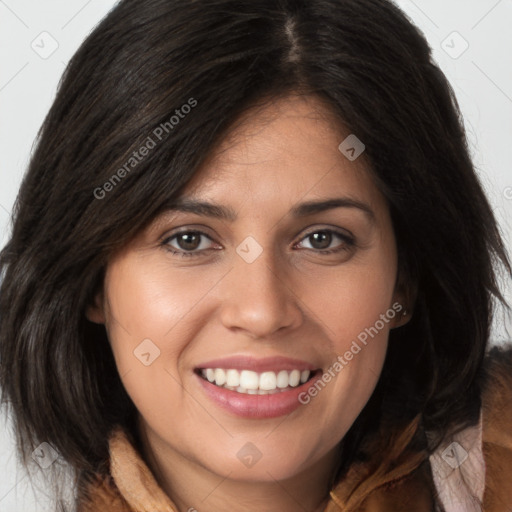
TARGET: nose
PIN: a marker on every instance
(258, 298)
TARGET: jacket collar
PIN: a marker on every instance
(138, 487)
(134, 479)
(407, 482)
(457, 469)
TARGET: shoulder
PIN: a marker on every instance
(497, 427)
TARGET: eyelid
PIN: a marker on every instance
(185, 229)
(344, 233)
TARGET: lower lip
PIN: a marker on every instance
(256, 406)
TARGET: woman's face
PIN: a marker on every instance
(270, 282)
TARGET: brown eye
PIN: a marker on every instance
(321, 240)
(187, 243)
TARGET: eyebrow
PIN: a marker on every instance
(217, 211)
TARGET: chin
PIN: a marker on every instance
(250, 465)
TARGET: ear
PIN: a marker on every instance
(95, 311)
(404, 300)
(403, 314)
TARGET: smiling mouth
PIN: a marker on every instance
(256, 383)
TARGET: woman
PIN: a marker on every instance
(252, 267)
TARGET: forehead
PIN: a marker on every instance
(286, 148)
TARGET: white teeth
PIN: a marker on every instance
(294, 378)
(253, 383)
(220, 376)
(233, 378)
(249, 380)
(282, 379)
(268, 381)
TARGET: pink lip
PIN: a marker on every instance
(267, 364)
(256, 406)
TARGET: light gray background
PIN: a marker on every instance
(37, 38)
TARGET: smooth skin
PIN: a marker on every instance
(294, 300)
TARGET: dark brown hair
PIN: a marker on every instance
(147, 59)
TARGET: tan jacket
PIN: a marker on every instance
(477, 463)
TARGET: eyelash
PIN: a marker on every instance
(349, 242)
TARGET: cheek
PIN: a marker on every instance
(356, 310)
(353, 299)
(148, 302)
(363, 302)
(151, 318)
(356, 357)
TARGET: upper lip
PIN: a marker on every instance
(267, 364)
